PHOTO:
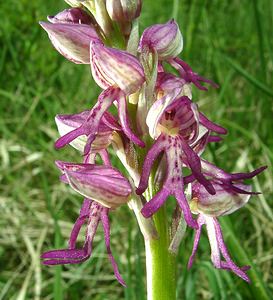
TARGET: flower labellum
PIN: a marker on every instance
(165, 39)
(91, 213)
(218, 247)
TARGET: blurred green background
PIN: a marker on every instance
(227, 41)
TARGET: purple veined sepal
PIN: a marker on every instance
(72, 39)
(91, 125)
(174, 115)
(117, 68)
(91, 213)
(228, 198)
(189, 75)
(230, 191)
(157, 110)
(101, 183)
(173, 183)
(166, 39)
(218, 247)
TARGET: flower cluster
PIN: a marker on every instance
(158, 130)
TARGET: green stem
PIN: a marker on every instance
(160, 262)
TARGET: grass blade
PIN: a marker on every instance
(257, 288)
(257, 83)
(260, 38)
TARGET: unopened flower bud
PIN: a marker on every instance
(123, 10)
(71, 15)
(165, 39)
(112, 67)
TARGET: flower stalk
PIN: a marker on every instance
(160, 262)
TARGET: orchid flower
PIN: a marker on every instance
(108, 189)
(175, 123)
(167, 41)
(119, 80)
(231, 194)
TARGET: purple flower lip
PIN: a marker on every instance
(91, 213)
(218, 247)
(189, 75)
(173, 147)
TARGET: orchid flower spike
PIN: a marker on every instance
(91, 213)
(155, 106)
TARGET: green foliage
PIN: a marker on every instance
(227, 41)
